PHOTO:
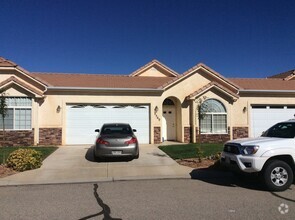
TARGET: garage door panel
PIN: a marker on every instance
(263, 118)
(81, 122)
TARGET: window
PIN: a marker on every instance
(19, 114)
(281, 130)
(214, 117)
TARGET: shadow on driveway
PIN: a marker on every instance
(226, 178)
(90, 157)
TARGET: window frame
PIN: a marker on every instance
(19, 107)
(213, 119)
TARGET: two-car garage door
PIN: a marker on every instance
(264, 116)
(82, 120)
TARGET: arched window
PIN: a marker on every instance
(213, 117)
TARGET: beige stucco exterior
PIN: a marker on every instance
(45, 113)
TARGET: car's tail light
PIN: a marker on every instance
(131, 141)
(101, 141)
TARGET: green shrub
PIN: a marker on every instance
(199, 154)
(24, 159)
(215, 157)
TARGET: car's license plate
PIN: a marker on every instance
(116, 152)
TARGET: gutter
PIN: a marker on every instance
(265, 91)
(104, 89)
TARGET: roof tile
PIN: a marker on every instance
(264, 84)
(100, 81)
(6, 63)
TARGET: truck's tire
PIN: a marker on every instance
(277, 175)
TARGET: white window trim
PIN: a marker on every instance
(19, 107)
(212, 114)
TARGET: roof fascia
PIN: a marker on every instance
(216, 87)
(265, 91)
(290, 76)
(38, 95)
(208, 70)
(153, 62)
(26, 73)
(104, 89)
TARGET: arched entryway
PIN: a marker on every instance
(169, 120)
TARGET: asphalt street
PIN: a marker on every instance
(148, 199)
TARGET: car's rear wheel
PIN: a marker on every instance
(277, 175)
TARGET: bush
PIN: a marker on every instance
(24, 159)
(199, 154)
(216, 156)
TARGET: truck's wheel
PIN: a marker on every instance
(277, 175)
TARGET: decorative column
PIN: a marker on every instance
(193, 121)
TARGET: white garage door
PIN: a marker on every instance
(82, 120)
(263, 117)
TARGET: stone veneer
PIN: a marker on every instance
(50, 136)
(157, 135)
(212, 138)
(240, 132)
(17, 138)
(187, 134)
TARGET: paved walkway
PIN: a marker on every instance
(75, 164)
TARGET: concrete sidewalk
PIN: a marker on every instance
(75, 164)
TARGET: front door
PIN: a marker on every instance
(169, 123)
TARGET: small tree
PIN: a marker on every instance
(3, 111)
(201, 109)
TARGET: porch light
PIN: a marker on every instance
(58, 109)
(244, 109)
(156, 109)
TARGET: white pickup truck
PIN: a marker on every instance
(272, 155)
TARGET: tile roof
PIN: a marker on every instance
(6, 63)
(284, 75)
(157, 63)
(100, 81)
(209, 86)
(13, 79)
(264, 84)
(191, 70)
(283, 81)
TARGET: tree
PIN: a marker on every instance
(3, 111)
(201, 109)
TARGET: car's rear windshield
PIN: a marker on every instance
(281, 130)
(116, 129)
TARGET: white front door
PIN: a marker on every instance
(169, 123)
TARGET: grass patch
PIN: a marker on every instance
(184, 151)
(5, 151)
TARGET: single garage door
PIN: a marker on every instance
(263, 117)
(82, 120)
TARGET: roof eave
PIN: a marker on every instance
(233, 96)
(25, 72)
(196, 68)
(154, 62)
(60, 88)
(265, 91)
(35, 94)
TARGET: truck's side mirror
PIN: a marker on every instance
(96, 130)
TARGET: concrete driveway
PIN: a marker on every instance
(75, 164)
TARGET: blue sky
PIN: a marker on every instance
(237, 38)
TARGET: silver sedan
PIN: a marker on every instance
(116, 140)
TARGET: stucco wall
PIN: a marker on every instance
(45, 115)
(49, 117)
